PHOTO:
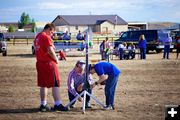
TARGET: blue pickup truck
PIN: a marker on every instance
(154, 39)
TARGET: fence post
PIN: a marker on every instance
(98, 40)
(27, 39)
(13, 40)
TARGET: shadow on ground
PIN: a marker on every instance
(21, 55)
(15, 111)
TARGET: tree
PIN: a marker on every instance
(33, 26)
(24, 20)
(11, 28)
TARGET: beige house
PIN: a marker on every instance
(3, 29)
(102, 24)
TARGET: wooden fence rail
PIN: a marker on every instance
(29, 40)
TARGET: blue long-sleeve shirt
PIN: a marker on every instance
(142, 43)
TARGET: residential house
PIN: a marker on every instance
(107, 24)
(4, 26)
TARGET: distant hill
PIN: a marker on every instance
(163, 25)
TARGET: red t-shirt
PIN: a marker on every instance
(41, 43)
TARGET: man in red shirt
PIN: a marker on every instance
(47, 70)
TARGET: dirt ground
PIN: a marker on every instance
(143, 90)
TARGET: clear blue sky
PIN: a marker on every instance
(129, 10)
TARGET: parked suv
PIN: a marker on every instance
(3, 45)
(154, 39)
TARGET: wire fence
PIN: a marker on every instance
(29, 40)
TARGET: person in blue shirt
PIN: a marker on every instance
(80, 36)
(142, 46)
(167, 43)
(108, 76)
(67, 37)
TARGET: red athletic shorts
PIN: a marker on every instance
(47, 74)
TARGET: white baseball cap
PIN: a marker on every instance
(81, 63)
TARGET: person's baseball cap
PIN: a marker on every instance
(81, 63)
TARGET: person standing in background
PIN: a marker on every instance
(142, 46)
(167, 43)
(177, 46)
(102, 48)
(107, 48)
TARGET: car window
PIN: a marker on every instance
(124, 35)
(150, 35)
(134, 36)
(163, 35)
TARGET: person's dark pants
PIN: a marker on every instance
(107, 54)
(110, 88)
(121, 53)
(177, 51)
(143, 53)
(132, 54)
(166, 51)
(103, 55)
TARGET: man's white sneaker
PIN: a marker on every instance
(109, 107)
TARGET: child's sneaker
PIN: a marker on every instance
(72, 106)
(88, 105)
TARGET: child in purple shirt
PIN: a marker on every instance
(77, 83)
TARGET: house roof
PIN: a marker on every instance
(91, 19)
